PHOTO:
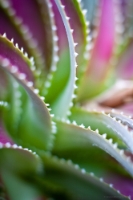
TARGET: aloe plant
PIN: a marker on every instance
(66, 99)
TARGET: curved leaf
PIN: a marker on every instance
(14, 28)
(101, 54)
(16, 167)
(65, 96)
(76, 184)
(40, 27)
(34, 126)
(70, 137)
(105, 124)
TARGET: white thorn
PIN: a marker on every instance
(115, 145)
(22, 76)
(121, 152)
(26, 55)
(22, 50)
(101, 179)
(54, 28)
(82, 126)
(76, 166)
(63, 6)
(36, 91)
(30, 84)
(104, 135)
(14, 69)
(12, 40)
(76, 54)
(75, 44)
(75, 86)
(111, 185)
(8, 145)
(74, 96)
(114, 118)
(16, 45)
(42, 98)
(97, 131)
(68, 18)
(55, 38)
(5, 62)
(15, 146)
(74, 122)
(83, 171)
(84, 11)
(110, 140)
(4, 35)
(72, 30)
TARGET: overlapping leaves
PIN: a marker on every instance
(38, 109)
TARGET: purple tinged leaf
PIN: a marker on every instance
(121, 183)
(103, 46)
(15, 30)
(61, 32)
(80, 30)
(72, 137)
(61, 69)
(7, 26)
(97, 70)
(35, 124)
(17, 59)
(40, 27)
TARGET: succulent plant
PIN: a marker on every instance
(66, 126)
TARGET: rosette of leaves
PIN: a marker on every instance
(60, 77)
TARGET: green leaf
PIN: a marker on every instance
(17, 167)
(72, 138)
(65, 180)
(63, 95)
(34, 126)
(105, 124)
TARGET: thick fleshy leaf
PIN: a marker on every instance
(17, 166)
(91, 158)
(62, 86)
(60, 71)
(97, 70)
(33, 124)
(67, 181)
(71, 137)
(105, 124)
(77, 22)
(40, 27)
(8, 50)
(14, 28)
